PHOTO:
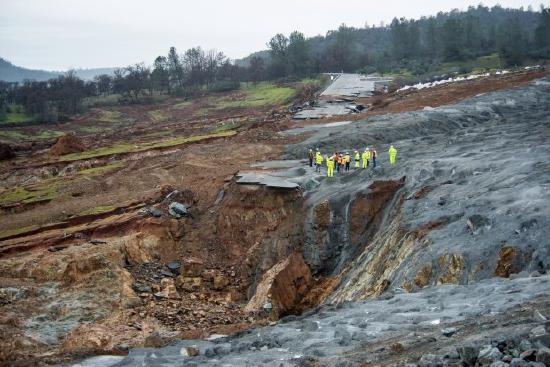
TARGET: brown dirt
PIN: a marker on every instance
(67, 144)
(236, 240)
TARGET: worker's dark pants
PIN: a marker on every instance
(317, 167)
(338, 167)
(373, 162)
(347, 166)
(311, 162)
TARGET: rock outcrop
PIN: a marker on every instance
(282, 287)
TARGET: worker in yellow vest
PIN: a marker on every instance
(347, 158)
(330, 166)
(357, 159)
(393, 154)
(366, 156)
(318, 161)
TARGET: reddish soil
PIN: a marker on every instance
(67, 144)
(237, 239)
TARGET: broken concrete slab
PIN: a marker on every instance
(264, 179)
(355, 85)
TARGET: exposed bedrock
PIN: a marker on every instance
(258, 227)
(467, 199)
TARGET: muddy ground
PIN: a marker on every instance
(88, 271)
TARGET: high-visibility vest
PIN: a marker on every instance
(357, 156)
(347, 158)
(319, 158)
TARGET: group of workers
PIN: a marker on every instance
(342, 161)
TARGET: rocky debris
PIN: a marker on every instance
(169, 288)
(192, 267)
(468, 354)
(508, 262)
(448, 332)
(489, 355)
(174, 267)
(178, 210)
(189, 284)
(283, 286)
(6, 152)
(141, 288)
(190, 351)
(67, 144)
(152, 211)
(220, 282)
(154, 340)
(477, 222)
(543, 356)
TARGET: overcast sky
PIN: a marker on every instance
(62, 34)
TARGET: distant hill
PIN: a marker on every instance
(13, 73)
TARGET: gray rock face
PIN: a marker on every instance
(485, 156)
(338, 334)
(488, 157)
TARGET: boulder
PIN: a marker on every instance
(468, 354)
(220, 282)
(189, 284)
(177, 210)
(154, 340)
(191, 351)
(283, 286)
(489, 355)
(168, 288)
(192, 267)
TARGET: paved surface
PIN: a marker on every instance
(354, 85)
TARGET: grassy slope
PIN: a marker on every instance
(132, 148)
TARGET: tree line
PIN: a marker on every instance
(419, 46)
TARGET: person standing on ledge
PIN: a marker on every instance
(393, 154)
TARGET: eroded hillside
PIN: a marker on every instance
(95, 260)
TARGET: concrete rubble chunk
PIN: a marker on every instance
(178, 210)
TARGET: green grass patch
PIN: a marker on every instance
(257, 95)
(480, 64)
(31, 194)
(18, 135)
(158, 115)
(17, 117)
(98, 210)
(132, 148)
(102, 101)
(48, 134)
(182, 105)
(95, 171)
(92, 129)
(110, 116)
(13, 135)
(157, 134)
